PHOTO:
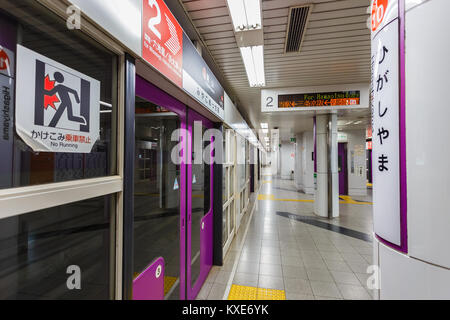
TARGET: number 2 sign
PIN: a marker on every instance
(162, 38)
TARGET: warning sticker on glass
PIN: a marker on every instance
(57, 108)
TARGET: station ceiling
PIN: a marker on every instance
(335, 50)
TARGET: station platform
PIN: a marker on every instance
(284, 252)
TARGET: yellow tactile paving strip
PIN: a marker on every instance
(344, 199)
(168, 283)
(349, 200)
(252, 293)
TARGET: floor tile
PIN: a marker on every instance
(319, 275)
(352, 292)
(294, 261)
(345, 278)
(270, 259)
(248, 267)
(270, 270)
(298, 296)
(325, 289)
(246, 279)
(270, 282)
(298, 286)
(294, 272)
(204, 292)
(223, 277)
(217, 292)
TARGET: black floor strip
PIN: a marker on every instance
(327, 226)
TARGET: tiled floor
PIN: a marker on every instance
(306, 261)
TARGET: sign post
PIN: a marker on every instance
(386, 121)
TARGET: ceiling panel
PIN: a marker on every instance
(335, 50)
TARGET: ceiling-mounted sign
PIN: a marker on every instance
(200, 82)
(315, 98)
(385, 120)
(57, 108)
(169, 50)
(321, 99)
(162, 40)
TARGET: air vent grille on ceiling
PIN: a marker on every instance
(298, 20)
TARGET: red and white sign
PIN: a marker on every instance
(6, 62)
(386, 121)
(162, 38)
(378, 12)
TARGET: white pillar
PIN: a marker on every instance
(334, 171)
(321, 195)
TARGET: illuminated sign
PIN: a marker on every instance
(168, 49)
(327, 99)
(162, 40)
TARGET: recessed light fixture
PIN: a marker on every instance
(246, 14)
(253, 58)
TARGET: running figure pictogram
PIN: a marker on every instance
(66, 103)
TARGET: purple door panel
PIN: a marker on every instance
(342, 154)
(149, 285)
(151, 93)
(206, 224)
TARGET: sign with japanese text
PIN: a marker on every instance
(385, 101)
(8, 37)
(200, 82)
(321, 99)
(57, 108)
(162, 40)
(337, 97)
(6, 130)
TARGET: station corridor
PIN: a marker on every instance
(286, 252)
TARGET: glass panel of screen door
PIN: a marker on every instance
(200, 200)
(157, 194)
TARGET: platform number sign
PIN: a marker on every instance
(385, 104)
(162, 40)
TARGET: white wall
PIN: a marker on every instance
(356, 153)
(403, 277)
(428, 173)
(299, 162)
(303, 163)
(121, 18)
(423, 273)
(287, 160)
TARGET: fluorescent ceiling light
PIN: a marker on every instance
(265, 131)
(358, 122)
(246, 14)
(350, 122)
(253, 58)
(265, 125)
